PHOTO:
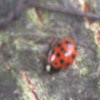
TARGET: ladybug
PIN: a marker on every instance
(62, 55)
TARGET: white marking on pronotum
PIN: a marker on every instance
(48, 68)
(52, 58)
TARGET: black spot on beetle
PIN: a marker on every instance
(61, 61)
(58, 54)
(75, 48)
(67, 64)
(73, 56)
(59, 45)
(62, 49)
(55, 63)
(67, 42)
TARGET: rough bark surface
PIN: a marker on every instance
(24, 41)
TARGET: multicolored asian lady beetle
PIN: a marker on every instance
(62, 55)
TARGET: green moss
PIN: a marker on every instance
(22, 44)
(3, 38)
(24, 88)
(51, 3)
(33, 17)
(99, 84)
(20, 83)
(13, 73)
(46, 18)
(79, 58)
(70, 98)
(18, 46)
(83, 71)
(98, 52)
(89, 64)
(79, 90)
(94, 84)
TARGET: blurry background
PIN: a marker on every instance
(24, 39)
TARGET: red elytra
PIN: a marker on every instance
(62, 54)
